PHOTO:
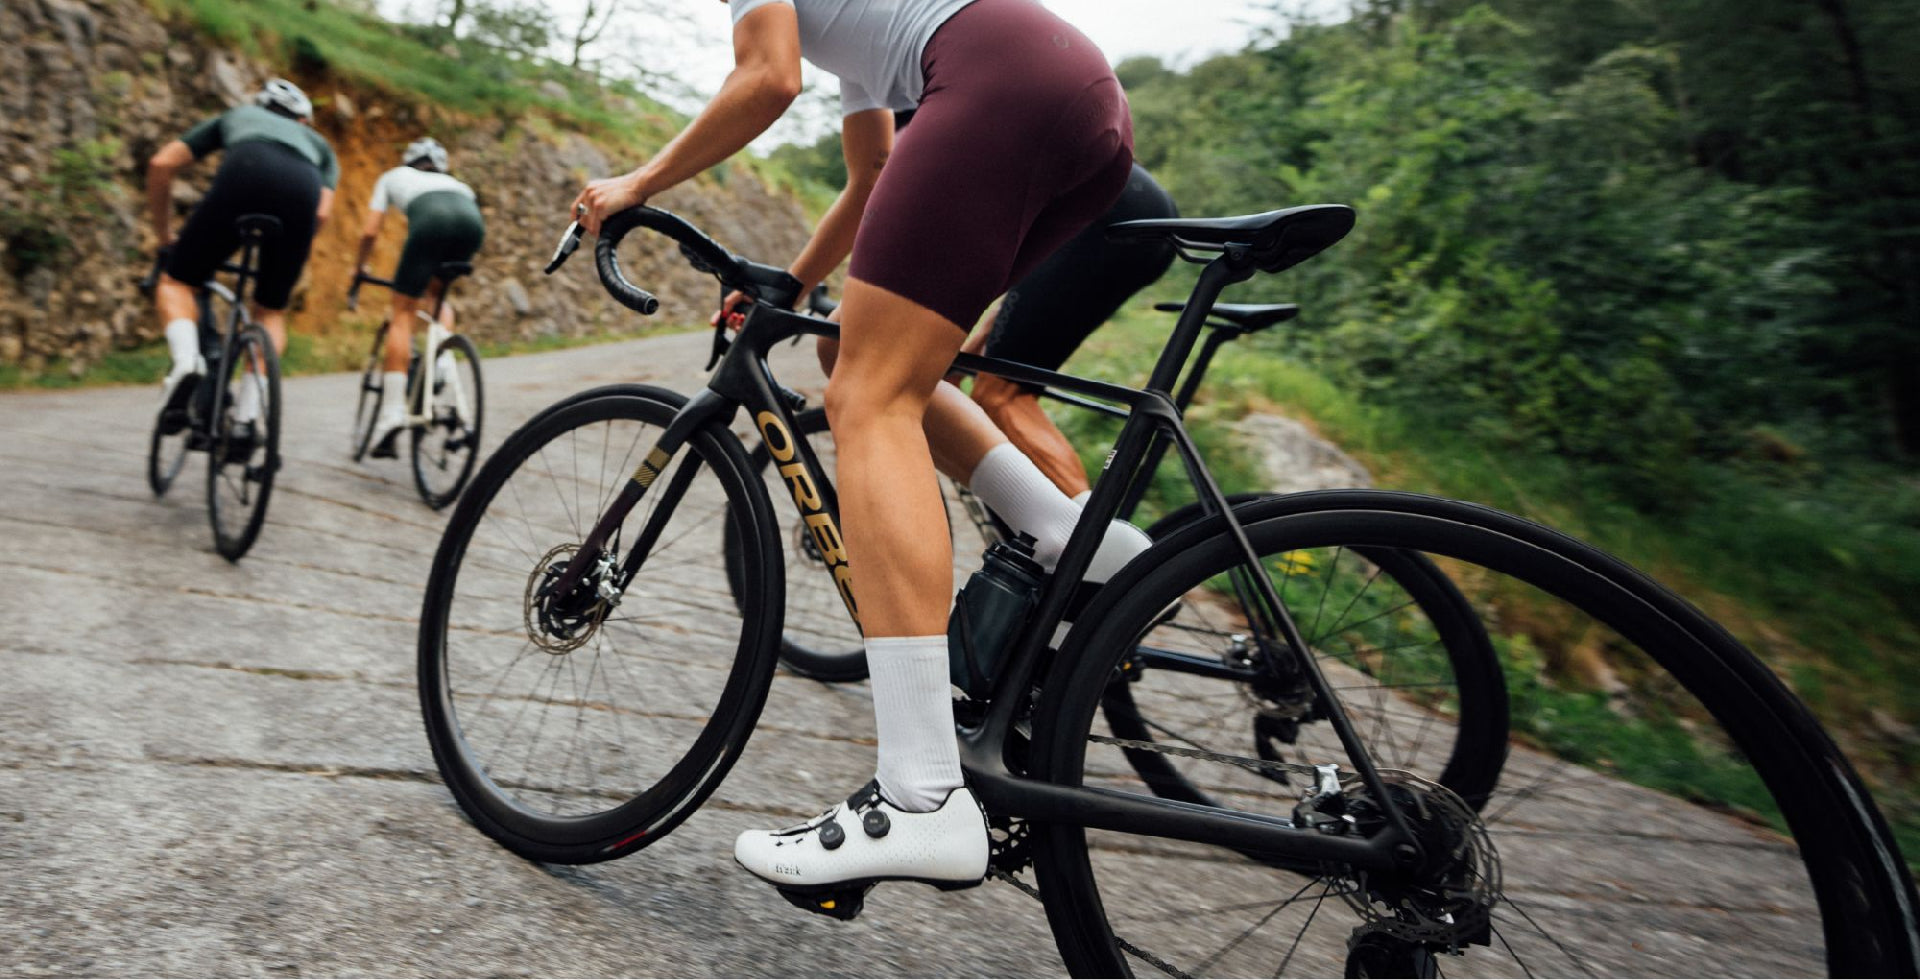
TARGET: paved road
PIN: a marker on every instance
(211, 769)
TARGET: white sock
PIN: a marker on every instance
(246, 401)
(1007, 481)
(393, 397)
(913, 711)
(183, 345)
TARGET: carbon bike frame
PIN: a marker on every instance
(743, 378)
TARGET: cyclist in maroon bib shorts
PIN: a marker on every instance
(1022, 137)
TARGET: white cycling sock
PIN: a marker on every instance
(246, 400)
(1007, 481)
(393, 397)
(913, 711)
(183, 345)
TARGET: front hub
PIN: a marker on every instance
(560, 624)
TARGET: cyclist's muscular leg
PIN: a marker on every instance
(891, 358)
(958, 433)
(400, 333)
(1017, 412)
(274, 322)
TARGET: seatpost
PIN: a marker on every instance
(1231, 267)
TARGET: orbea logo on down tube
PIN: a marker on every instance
(814, 510)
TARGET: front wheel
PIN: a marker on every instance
(581, 727)
(366, 407)
(446, 445)
(243, 452)
(1667, 806)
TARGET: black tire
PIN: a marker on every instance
(447, 446)
(1451, 663)
(624, 794)
(366, 408)
(1616, 878)
(166, 456)
(240, 475)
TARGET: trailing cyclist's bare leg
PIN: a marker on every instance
(1017, 412)
(393, 384)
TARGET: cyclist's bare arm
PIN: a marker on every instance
(166, 162)
(764, 82)
(866, 138)
(369, 231)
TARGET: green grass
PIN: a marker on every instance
(314, 36)
(1813, 570)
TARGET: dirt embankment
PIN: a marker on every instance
(90, 88)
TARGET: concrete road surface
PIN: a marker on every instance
(217, 769)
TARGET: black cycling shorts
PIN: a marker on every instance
(1046, 316)
(443, 226)
(257, 177)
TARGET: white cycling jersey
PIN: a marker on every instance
(872, 46)
(401, 186)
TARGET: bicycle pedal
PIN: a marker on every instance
(838, 903)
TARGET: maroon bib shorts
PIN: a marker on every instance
(1022, 139)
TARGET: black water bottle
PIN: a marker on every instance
(988, 613)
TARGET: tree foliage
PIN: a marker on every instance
(1634, 233)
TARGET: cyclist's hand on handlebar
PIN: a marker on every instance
(730, 311)
(605, 197)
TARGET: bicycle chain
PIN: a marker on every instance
(1261, 766)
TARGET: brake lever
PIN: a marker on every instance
(569, 243)
(720, 342)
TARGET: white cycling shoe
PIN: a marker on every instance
(827, 864)
(386, 436)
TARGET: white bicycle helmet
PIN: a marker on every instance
(281, 94)
(426, 150)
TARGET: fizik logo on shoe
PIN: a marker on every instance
(833, 549)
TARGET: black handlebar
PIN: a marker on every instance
(362, 279)
(764, 283)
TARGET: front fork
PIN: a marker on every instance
(697, 412)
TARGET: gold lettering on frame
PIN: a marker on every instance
(833, 548)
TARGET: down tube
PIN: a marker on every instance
(806, 482)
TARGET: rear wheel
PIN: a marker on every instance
(1389, 622)
(1694, 821)
(580, 728)
(446, 446)
(243, 452)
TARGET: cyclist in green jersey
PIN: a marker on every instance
(273, 163)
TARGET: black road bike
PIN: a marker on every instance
(1390, 615)
(444, 396)
(242, 458)
(592, 664)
